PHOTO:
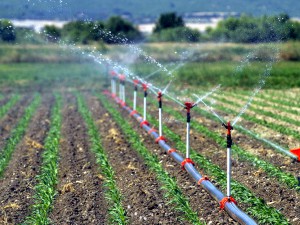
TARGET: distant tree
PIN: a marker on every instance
(249, 29)
(120, 27)
(178, 34)
(168, 20)
(7, 31)
(82, 32)
(52, 33)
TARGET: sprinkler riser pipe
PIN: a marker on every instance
(160, 121)
(228, 172)
(230, 207)
(145, 107)
(134, 100)
(188, 140)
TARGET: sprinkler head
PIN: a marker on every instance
(189, 106)
(136, 82)
(145, 86)
(122, 77)
(159, 95)
(228, 127)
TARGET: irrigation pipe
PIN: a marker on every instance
(230, 207)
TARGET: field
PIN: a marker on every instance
(71, 155)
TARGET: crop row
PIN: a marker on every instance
(5, 108)
(270, 169)
(45, 190)
(17, 133)
(277, 99)
(265, 104)
(116, 211)
(262, 112)
(257, 206)
(169, 185)
(276, 127)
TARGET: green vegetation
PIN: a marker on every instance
(17, 133)
(276, 127)
(113, 195)
(260, 111)
(172, 191)
(7, 31)
(5, 108)
(242, 154)
(249, 29)
(167, 21)
(255, 206)
(30, 76)
(45, 190)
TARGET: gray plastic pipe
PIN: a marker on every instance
(230, 207)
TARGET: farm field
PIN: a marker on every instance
(70, 154)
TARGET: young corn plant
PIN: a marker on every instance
(169, 185)
(17, 133)
(256, 206)
(5, 108)
(116, 211)
(45, 190)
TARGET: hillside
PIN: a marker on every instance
(137, 10)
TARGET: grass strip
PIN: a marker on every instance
(256, 206)
(5, 108)
(169, 185)
(116, 211)
(18, 133)
(45, 190)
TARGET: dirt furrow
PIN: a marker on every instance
(143, 199)
(207, 208)
(80, 198)
(16, 186)
(11, 119)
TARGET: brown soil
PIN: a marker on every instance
(8, 122)
(206, 207)
(142, 197)
(80, 198)
(16, 185)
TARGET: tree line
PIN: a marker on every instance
(169, 28)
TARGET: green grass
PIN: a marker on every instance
(49, 76)
(255, 206)
(45, 190)
(116, 210)
(5, 108)
(172, 191)
(17, 133)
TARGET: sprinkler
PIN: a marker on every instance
(135, 83)
(228, 127)
(145, 87)
(188, 107)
